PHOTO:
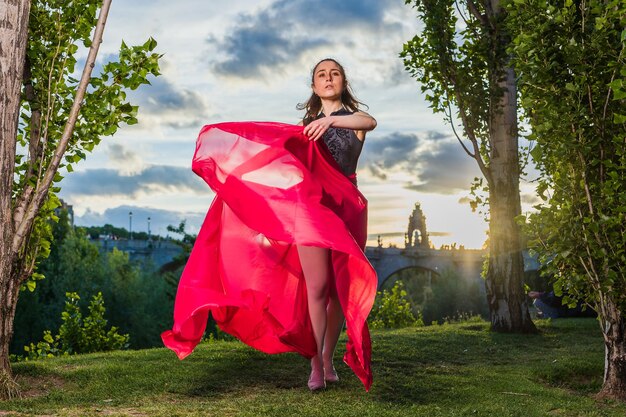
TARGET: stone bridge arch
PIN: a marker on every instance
(388, 261)
(467, 263)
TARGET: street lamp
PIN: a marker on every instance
(130, 224)
(149, 238)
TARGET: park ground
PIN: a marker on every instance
(458, 369)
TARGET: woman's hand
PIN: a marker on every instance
(317, 128)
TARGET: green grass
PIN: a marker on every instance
(450, 370)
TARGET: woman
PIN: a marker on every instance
(279, 258)
(343, 132)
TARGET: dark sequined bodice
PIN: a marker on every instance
(343, 145)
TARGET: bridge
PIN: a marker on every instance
(418, 253)
(466, 263)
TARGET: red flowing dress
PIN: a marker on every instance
(275, 189)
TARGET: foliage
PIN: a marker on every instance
(452, 298)
(94, 232)
(570, 57)
(78, 334)
(392, 309)
(136, 293)
(439, 298)
(48, 347)
(59, 32)
(452, 66)
(458, 58)
(172, 270)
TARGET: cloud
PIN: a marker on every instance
(530, 199)
(152, 180)
(165, 103)
(261, 43)
(159, 219)
(435, 161)
(284, 31)
(124, 159)
(445, 168)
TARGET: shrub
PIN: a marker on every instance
(393, 310)
(78, 335)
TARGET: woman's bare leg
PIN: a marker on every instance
(315, 262)
(335, 320)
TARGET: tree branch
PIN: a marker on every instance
(467, 151)
(474, 10)
(472, 137)
(44, 186)
(34, 145)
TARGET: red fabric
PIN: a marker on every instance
(275, 190)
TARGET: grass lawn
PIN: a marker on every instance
(450, 370)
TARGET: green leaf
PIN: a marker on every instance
(619, 118)
(150, 44)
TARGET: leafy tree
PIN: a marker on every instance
(460, 59)
(137, 294)
(570, 57)
(49, 121)
(172, 270)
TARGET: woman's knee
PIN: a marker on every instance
(317, 288)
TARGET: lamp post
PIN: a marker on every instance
(149, 237)
(130, 224)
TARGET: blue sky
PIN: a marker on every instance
(251, 60)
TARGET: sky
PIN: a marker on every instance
(247, 60)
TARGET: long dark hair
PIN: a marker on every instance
(313, 105)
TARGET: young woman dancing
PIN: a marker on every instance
(332, 114)
(279, 259)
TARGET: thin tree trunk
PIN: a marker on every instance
(13, 36)
(507, 300)
(614, 329)
(9, 289)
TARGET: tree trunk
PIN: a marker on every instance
(614, 329)
(507, 300)
(13, 36)
(9, 290)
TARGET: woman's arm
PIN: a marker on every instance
(356, 121)
(360, 122)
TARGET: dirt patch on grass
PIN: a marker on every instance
(36, 386)
(120, 412)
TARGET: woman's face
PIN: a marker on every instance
(328, 81)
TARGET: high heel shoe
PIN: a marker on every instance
(316, 381)
(331, 376)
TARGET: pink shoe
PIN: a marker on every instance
(316, 381)
(331, 376)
